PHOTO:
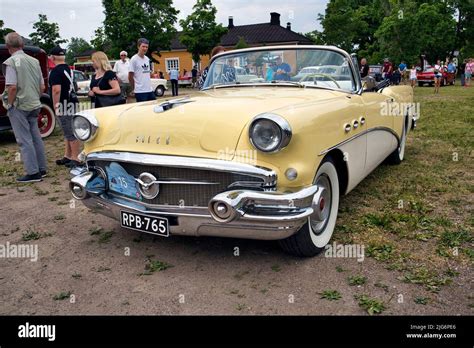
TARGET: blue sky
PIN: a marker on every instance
(81, 18)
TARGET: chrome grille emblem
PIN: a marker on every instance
(148, 186)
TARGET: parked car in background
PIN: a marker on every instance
(376, 72)
(82, 82)
(306, 73)
(243, 76)
(426, 76)
(258, 160)
(46, 117)
(159, 86)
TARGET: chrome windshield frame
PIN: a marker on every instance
(354, 74)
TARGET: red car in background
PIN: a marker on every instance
(425, 74)
(46, 117)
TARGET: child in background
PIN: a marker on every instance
(413, 76)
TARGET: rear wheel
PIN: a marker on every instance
(312, 238)
(46, 120)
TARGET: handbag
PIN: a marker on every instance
(72, 98)
(109, 100)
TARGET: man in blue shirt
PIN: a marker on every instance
(174, 78)
(451, 68)
(282, 70)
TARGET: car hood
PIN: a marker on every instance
(207, 125)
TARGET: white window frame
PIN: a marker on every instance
(172, 63)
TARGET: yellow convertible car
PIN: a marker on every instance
(267, 158)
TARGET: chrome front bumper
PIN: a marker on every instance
(236, 214)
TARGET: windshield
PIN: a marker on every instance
(318, 68)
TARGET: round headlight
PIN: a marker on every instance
(84, 127)
(270, 133)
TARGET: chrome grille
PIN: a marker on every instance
(188, 195)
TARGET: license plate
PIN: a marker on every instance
(145, 223)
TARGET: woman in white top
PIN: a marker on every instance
(438, 75)
(413, 76)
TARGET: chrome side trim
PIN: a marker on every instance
(267, 175)
(375, 129)
(175, 182)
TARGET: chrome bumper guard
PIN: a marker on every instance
(237, 214)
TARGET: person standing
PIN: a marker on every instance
(364, 68)
(387, 69)
(104, 86)
(194, 74)
(462, 71)
(403, 72)
(139, 74)
(438, 75)
(60, 88)
(413, 76)
(282, 70)
(121, 69)
(468, 72)
(24, 85)
(174, 78)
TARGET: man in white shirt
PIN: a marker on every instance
(139, 74)
(174, 77)
(121, 69)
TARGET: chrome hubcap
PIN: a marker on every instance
(321, 206)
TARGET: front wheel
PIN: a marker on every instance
(160, 91)
(312, 238)
(46, 120)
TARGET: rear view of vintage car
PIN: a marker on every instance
(266, 158)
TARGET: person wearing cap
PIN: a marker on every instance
(60, 88)
(121, 69)
(139, 73)
(24, 85)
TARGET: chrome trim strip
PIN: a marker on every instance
(386, 129)
(175, 182)
(267, 175)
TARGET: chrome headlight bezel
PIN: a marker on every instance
(285, 132)
(92, 124)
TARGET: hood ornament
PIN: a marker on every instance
(168, 105)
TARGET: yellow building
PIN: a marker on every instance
(262, 34)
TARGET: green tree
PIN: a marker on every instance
(76, 45)
(46, 34)
(241, 43)
(100, 42)
(128, 20)
(464, 38)
(414, 29)
(400, 29)
(316, 36)
(200, 30)
(3, 32)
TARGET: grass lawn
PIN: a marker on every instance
(417, 218)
